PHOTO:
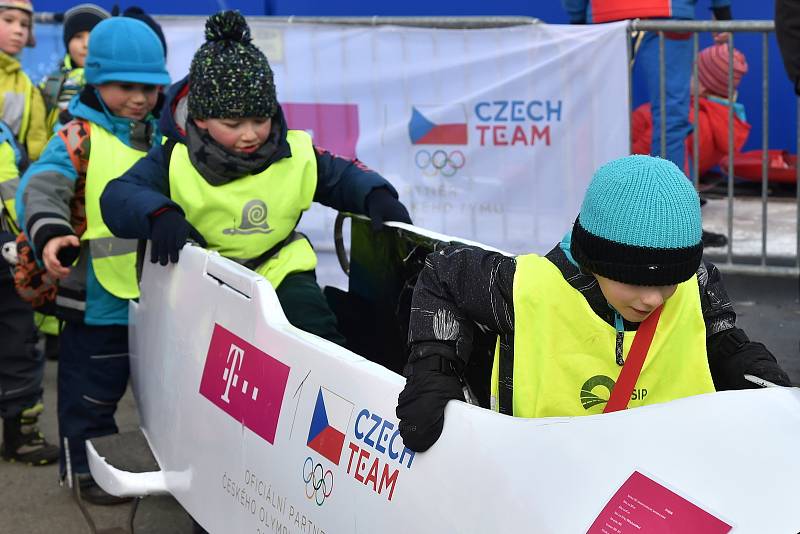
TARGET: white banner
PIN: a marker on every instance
(488, 134)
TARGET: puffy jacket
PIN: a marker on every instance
(712, 125)
(595, 11)
(126, 203)
(23, 106)
(49, 187)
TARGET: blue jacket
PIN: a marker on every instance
(49, 185)
(590, 11)
(128, 202)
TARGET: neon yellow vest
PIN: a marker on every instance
(113, 258)
(246, 217)
(9, 181)
(564, 360)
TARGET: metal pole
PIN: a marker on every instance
(764, 143)
(630, 85)
(662, 89)
(674, 25)
(696, 126)
(730, 149)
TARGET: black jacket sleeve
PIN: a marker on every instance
(731, 354)
(461, 287)
(344, 184)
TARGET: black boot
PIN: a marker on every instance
(94, 494)
(25, 444)
(712, 239)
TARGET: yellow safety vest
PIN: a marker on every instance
(246, 217)
(9, 182)
(23, 106)
(564, 353)
(113, 258)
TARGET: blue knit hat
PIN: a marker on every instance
(122, 49)
(639, 223)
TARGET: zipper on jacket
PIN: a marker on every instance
(619, 346)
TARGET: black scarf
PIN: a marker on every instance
(218, 165)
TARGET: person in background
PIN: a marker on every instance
(22, 135)
(236, 179)
(20, 100)
(677, 56)
(711, 124)
(566, 321)
(21, 365)
(68, 79)
(113, 126)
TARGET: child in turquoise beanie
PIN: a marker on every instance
(59, 208)
(630, 268)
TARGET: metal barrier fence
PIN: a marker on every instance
(761, 264)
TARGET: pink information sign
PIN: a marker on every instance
(644, 505)
(244, 382)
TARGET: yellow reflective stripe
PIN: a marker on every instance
(113, 259)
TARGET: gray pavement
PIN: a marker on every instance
(32, 502)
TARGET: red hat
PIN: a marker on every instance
(712, 68)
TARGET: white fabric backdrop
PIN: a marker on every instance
(531, 112)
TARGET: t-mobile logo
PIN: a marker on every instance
(244, 382)
(231, 374)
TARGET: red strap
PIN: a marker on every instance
(621, 394)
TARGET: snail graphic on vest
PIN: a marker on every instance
(254, 219)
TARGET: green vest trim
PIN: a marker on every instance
(564, 362)
(247, 217)
(113, 258)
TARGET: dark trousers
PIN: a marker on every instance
(92, 377)
(21, 365)
(307, 308)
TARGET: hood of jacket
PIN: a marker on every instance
(138, 134)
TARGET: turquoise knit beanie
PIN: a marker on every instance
(639, 223)
(123, 49)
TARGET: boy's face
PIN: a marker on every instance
(78, 48)
(129, 100)
(238, 135)
(15, 27)
(634, 303)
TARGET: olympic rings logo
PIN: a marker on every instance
(319, 483)
(439, 162)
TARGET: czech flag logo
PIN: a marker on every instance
(442, 125)
(329, 424)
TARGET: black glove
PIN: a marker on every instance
(169, 231)
(67, 255)
(382, 206)
(431, 382)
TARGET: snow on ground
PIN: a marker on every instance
(747, 225)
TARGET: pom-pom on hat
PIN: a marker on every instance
(229, 76)
(136, 12)
(82, 18)
(122, 49)
(639, 223)
(712, 69)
